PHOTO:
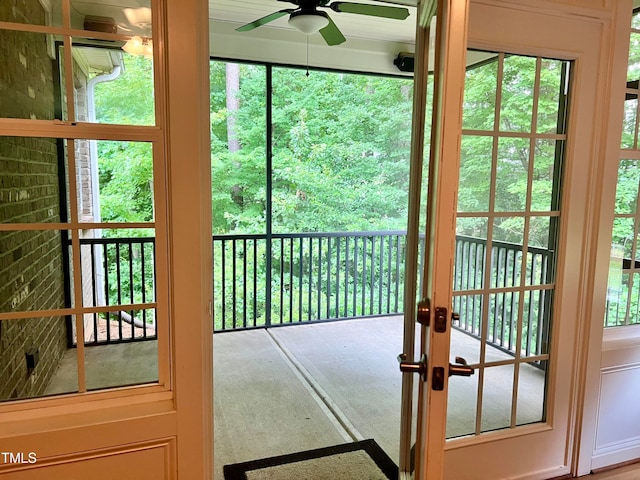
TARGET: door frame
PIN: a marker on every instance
(617, 50)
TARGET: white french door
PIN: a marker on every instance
(155, 421)
(511, 171)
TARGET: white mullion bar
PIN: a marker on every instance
(550, 213)
(75, 255)
(22, 127)
(61, 31)
(487, 274)
(625, 215)
(519, 320)
(535, 358)
(492, 290)
(628, 154)
(525, 243)
(59, 312)
(79, 319)
(507, 362)
(66, 14)
(113, 225)
(488, 133)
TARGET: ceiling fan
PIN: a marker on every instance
(308, 19)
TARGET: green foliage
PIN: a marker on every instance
(126, 168)
(125, 171)
(340, 152)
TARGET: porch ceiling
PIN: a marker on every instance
(352, 26)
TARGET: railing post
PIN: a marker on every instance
(269, 191)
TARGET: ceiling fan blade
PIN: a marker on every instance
(332, 34)
(264, 20)
(397, 13)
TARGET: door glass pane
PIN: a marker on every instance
(112, 86)
(461, 409)
(633, 71)
(29, 77)
(512, 174)
(502, 323)
(475, 172)
(112, 359)
(479, 106)
(627, 188)
(118, 266)
(508, 234)
(115, 181)
(502, 317)
(630, 119)
(36, 270)
(518, 82)
(35, 355)
(545, 170)
(32, 180)
(126, 17)
(497, 397)
(531, 393)
(33, 13)
(539, 228)
(469, 277)
(535, 323)
(552, 79)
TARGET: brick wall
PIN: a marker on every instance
(31, 262)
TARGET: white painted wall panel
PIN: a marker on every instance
(618, 420)
(619, 411)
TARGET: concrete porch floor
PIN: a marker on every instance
(296, 388)
(300, 387)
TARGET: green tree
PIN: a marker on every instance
(126, 168)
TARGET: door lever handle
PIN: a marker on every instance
(460, 368)
(413, 367)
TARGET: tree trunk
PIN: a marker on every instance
(233, 105)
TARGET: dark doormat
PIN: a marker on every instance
(363, 460)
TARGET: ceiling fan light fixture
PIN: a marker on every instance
(309, 22)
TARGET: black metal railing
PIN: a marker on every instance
(503, 304)
(118, 271)
(311, 277)
(305, 277)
